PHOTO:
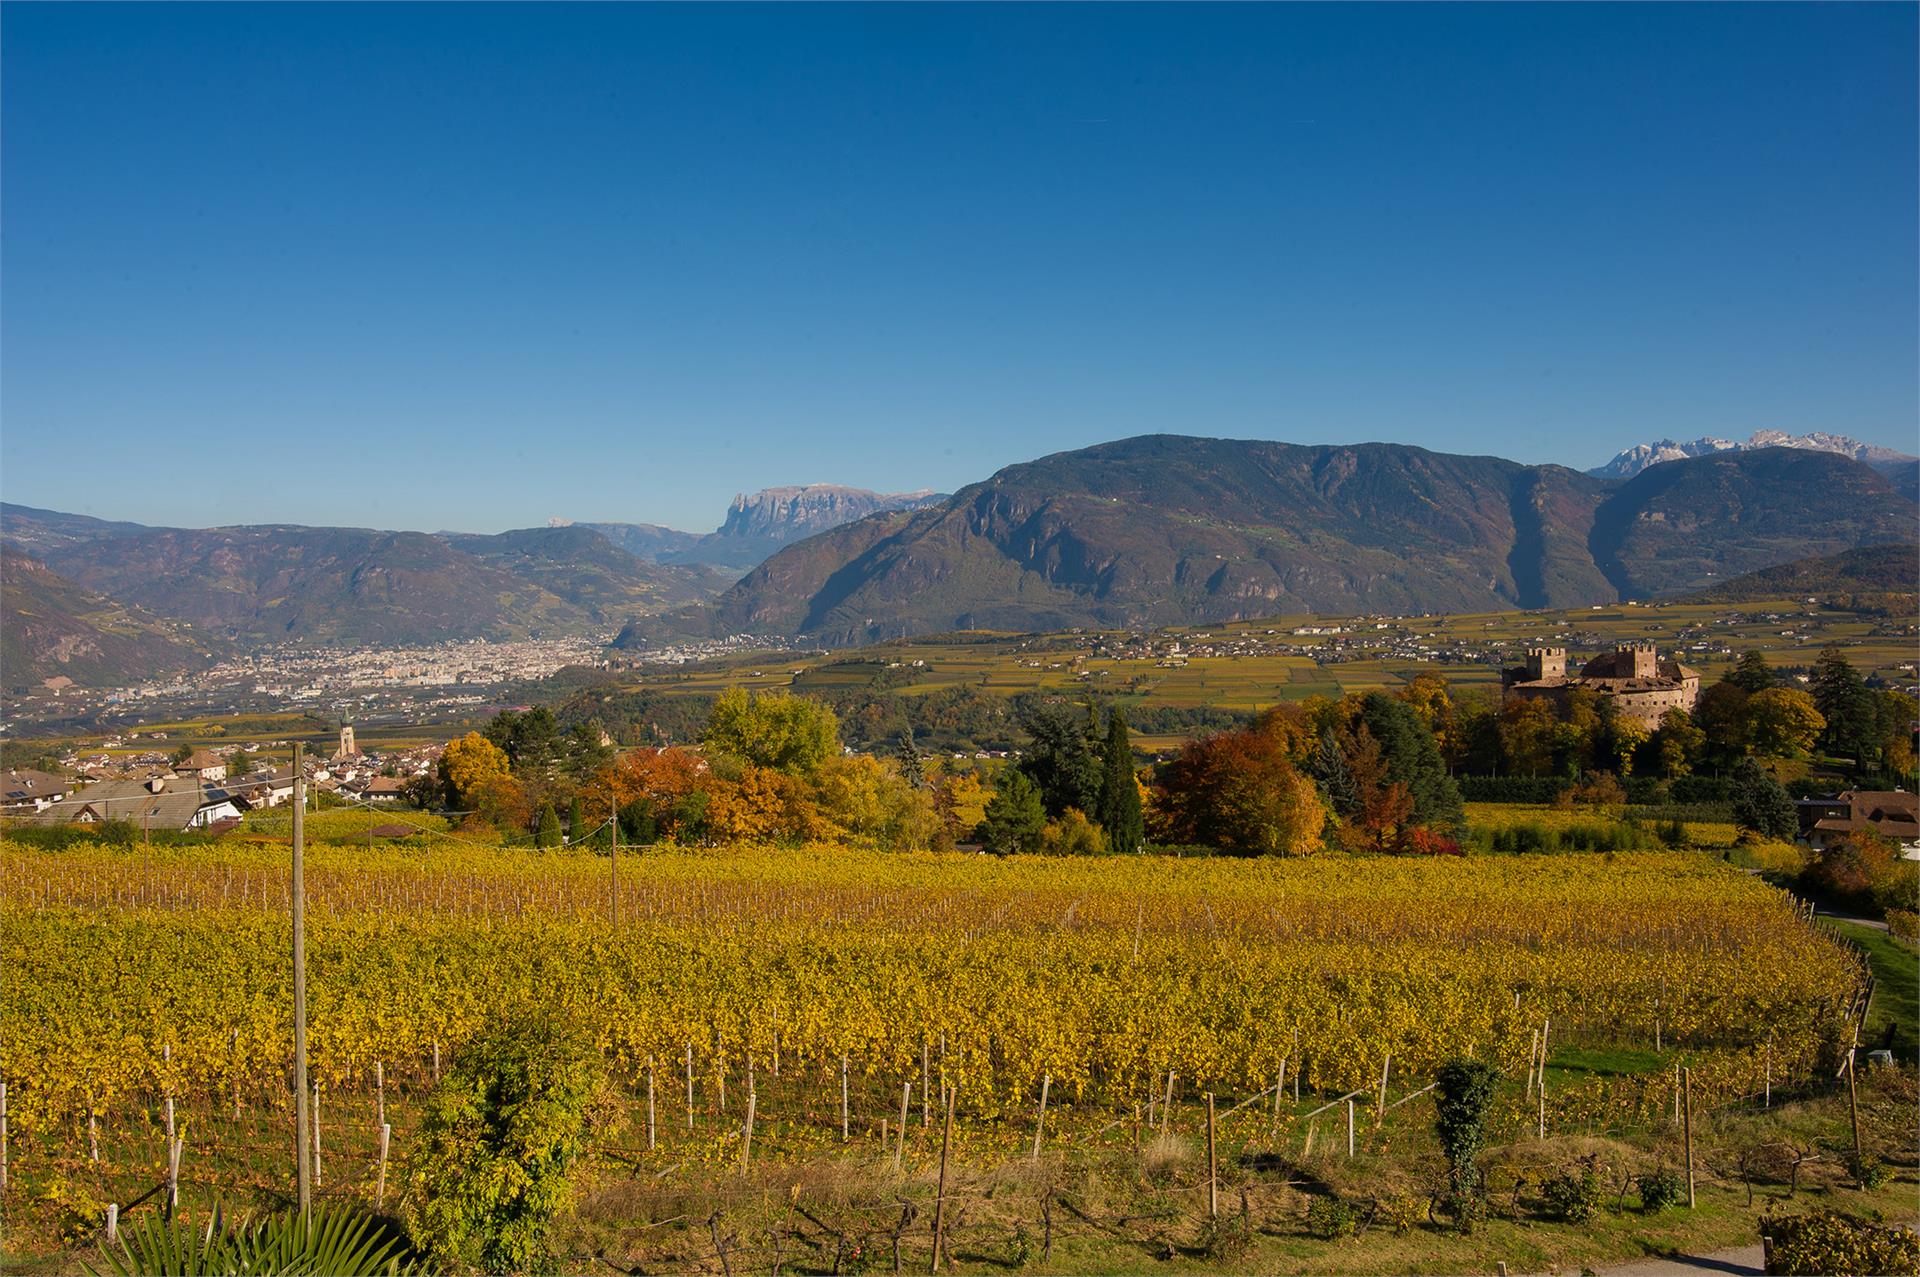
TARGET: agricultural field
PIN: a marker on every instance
(1242, 667)
(771, 1016)
(1249, 666)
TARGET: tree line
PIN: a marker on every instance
(1373, 771)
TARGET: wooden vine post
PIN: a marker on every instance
(900, 1148)
(1040, 1117)
(1686, 1087)
(940, 1196)
(316, 1133)
(1853, 1111)
(1213, 1165)
(653, 1131)
(746, 1136)
(173, 1143)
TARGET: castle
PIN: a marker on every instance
(1640, 685)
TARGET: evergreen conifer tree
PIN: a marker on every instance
(1119, 807)
(548, 833)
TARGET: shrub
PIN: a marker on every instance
(1421, 841)
(1700, 789)
(1073, 835)
(1227, 1237)
(1403, 1212)
(1602, 789)
(1829, 1242)
(1511, 789)
(497, 1147)
(1465, 1094)
(1896, 886)
(1533, 837)
(1330, 1219)
(1904, 924)
(1660, 1189)
(1575, 1197)
(1858, 871)
(329, 1239)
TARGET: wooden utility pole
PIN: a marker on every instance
(940, 1198)
(303, 1171)
(1686, 1087)
(613, 864)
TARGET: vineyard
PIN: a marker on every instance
(1114, 985)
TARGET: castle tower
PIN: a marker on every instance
(1646, 659)
(347, 747)
(1546, 662)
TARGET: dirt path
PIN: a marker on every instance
(1741, 1259)
(1877, 924)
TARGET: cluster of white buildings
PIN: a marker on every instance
(197, 792)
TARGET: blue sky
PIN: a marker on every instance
(470, 267)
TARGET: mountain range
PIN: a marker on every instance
(1156, 530)
(54, 628)
(1865, 574)
(107, 602)
(279, 583)
(758, 523)
(1167, 529)
(1899, 467)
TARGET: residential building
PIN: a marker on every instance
(30, 790)
(155, 803)
(1893, 814)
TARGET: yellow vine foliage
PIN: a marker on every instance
(1105, 972)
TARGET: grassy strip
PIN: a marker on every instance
(1895, 1010)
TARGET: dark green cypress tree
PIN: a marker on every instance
(913, 764)
(576, 820)
(1119, 793)
(548, 832)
